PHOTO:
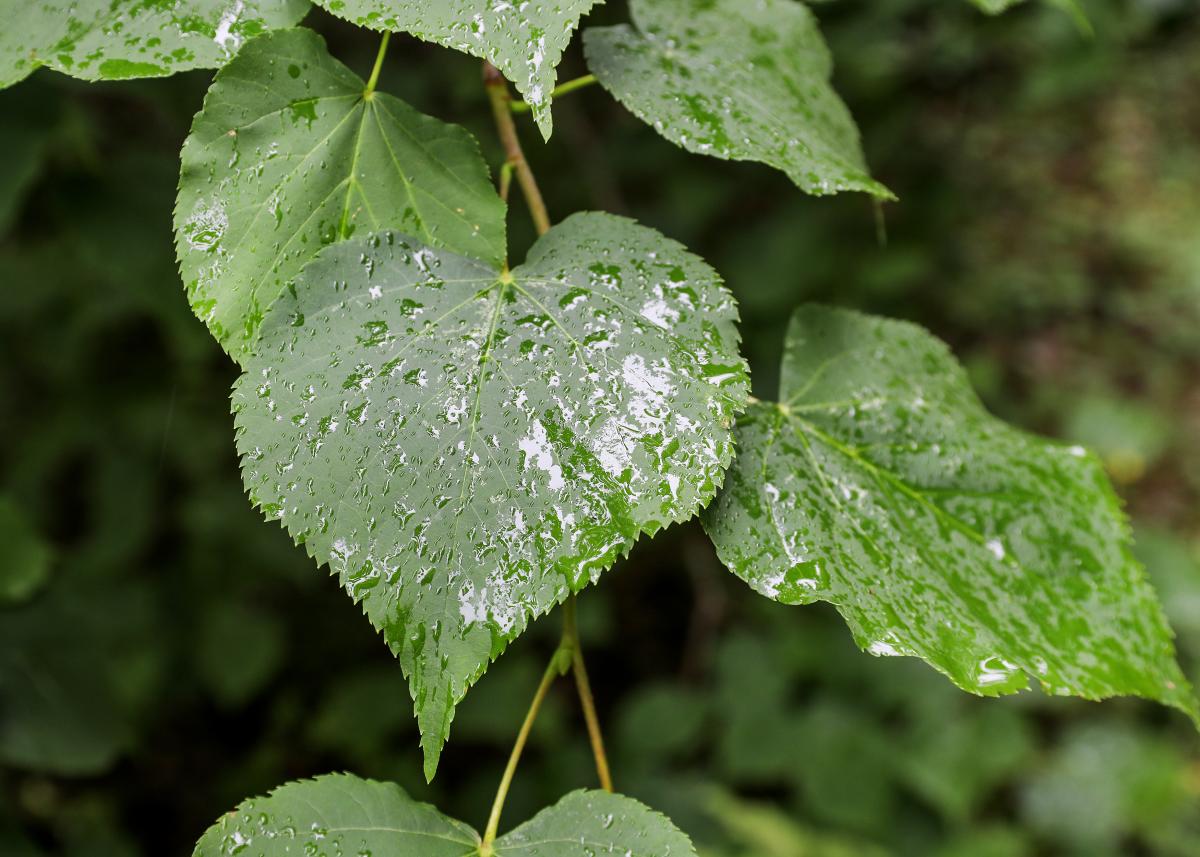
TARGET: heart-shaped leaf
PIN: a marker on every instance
(524, 40)
(117, 39)
(881, 485)
(466, 446)
(736, 80)
(290, 154)
(342, 814)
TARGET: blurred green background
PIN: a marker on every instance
(166, 653)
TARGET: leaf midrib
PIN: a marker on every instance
(885, 475)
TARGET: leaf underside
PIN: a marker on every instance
(739, 81)
(118, 39)
(881, 485)
(287, 156)
(524, 40)
(466, 447)
(343, 814)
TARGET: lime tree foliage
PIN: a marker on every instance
(468, 440)
(288, 156)
(117, 39)
(343, 814)
(467, 445)
(736, 80)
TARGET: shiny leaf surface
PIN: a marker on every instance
(120, 39)
(881, 485)
(466, 447)
(739, 81)
(524, 40)
(343, 814)
(288, 156)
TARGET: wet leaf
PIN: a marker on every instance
(288, 156)
(882, 485)
(96, 40)
(586, 823)
(344, 814)
(739, 81)
(524, 40)
(466, 447)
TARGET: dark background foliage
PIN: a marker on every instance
(183, 655)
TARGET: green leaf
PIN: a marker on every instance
(882, 485)
(24, 556)
(289, 155)
(119, 39)
(1102, 783)
(739, 81)
(995, 7)
(586, 823)
(59, 706)
(343, 814)
(337, 813)
(238, 649)
(525, 40)
(467, 446)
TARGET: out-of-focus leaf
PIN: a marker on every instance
(524, 40)
(58, 711)
(880, 484)
(238, 650)
(739, 81)
(1128, 437)
(762, 830)
(659, 722)
(842, 760)
(954, 762)
(1104, 782)
(1174, 568)
(995, 7)
(25, 139)
(752, 702)
(987, 842)
(465, 446)
(24, 556)
(362, 713)
(289, 155)
(97, 40)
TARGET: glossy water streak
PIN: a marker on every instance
(288, 156)
(114, 39)
(736, 79)
(465, 447)
(881, 484)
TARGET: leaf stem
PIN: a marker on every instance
(553, 671)
(506, 174)
(571, 637)
(374, 78)
(561, 89)
(498, 93)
